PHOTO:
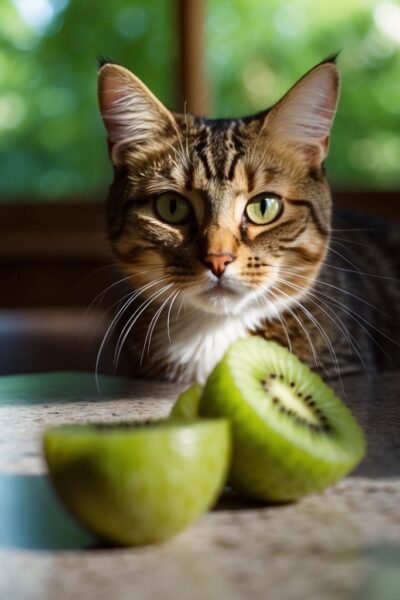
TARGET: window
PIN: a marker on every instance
(52, 142)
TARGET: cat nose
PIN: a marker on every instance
(218, 262)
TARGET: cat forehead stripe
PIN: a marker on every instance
(219, 147)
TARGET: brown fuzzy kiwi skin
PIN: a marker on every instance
(265, 465)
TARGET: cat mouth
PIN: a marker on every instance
(220, 296)
(221, 289)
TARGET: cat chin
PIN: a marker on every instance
(218, 303)
(236, 302)
(217, 306)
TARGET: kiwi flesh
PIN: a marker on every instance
(133, 483)
(187, 404)
(292, 435)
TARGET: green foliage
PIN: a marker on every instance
(52, 142)
(258, 49)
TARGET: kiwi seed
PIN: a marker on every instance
(322, 424)
(291, 434)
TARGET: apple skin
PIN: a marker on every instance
(139, 484)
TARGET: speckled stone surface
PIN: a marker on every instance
(342, 544)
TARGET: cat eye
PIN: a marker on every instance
(264, 209)
(172, 208)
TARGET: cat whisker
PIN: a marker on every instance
(302, 326)
(106, 337)
(261, 158)
(271, 290)
(152, 325)
(350, 339)
(324, 335)
(319, 304)
(360, 229)
(361, 273)
(131, 298)
(94, 272)
(255, 147)
(114, 304)
(187, 131)
(283, 323)
(330, 285)
(180, 306)
(327, 339)
(349, 310)
(340, 255)
(339, 241)
(131, 322)
(169, 315)
(129, 277)
(335, 320)
(357, 318)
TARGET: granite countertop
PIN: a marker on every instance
(341, 544)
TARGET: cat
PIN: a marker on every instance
(223, 229)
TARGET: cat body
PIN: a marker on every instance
(223, 229)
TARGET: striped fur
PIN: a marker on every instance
(286, 281)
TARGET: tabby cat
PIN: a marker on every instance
(223, 228)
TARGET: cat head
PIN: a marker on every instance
(232, 213)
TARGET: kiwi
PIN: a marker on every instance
(135, 484)
(292, 435)
(187, 404)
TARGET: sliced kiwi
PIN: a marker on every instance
(136, 484)
(292, 435)
(187, 404)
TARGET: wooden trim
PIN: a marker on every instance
(192, 76)
(54, 255)
(76, 230)
(73, 231)
(378, 203)
(58, 255)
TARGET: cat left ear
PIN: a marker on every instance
(304, 116)
(134, 118)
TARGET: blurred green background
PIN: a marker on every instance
(52, 142)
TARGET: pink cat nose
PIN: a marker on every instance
(217, 262)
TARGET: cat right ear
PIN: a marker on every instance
(136, 121)
(304, 116)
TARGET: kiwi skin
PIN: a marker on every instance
(267, 465)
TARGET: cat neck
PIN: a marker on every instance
(197, 341)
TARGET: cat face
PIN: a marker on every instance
(233, 214)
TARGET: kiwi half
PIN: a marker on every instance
(292, 435)
(187, 404)
(138, 483)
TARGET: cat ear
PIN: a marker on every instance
(133, 116)
(304, 116)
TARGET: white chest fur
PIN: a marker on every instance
(199, 341)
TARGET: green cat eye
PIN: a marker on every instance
(263, 209)
(172, 208)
